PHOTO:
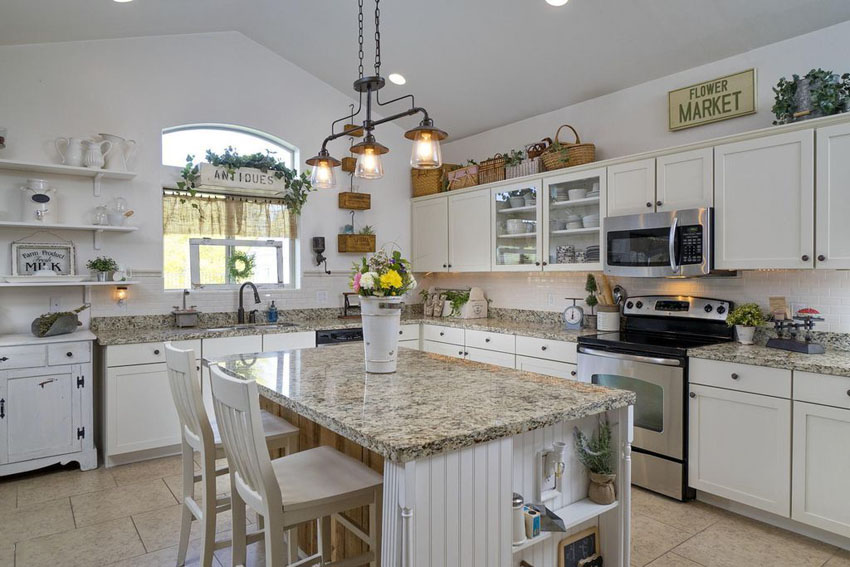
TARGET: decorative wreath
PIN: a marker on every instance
(241, 265)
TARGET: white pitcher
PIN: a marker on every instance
(93, 157)
(73, 154)
(121, 154)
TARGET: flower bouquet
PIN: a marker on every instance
(381, 281)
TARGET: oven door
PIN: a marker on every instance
(675, 243)
(659, 384)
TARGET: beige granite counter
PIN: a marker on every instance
(836, 362)
(432, 404)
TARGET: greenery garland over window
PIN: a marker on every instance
(297, 185)
(240, 265)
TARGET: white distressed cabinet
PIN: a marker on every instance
(685, 180)
(631, 188)
(764, 202)
(832, 232)
(430, 235)
(469, 232)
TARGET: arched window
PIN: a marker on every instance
(207, 235)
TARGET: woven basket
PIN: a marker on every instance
(525, 167)
(463, 177)
(430, 181)
(537, 149)
(492, 169)
(566, 154)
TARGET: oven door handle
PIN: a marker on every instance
(630, 357)
(672, 245)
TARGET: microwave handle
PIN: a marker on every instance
(672, 245)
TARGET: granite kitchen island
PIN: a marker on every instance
(456, 439)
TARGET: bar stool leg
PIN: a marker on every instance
(325, 538)
(238, 551)
(274, 543)
(376, 513)
(209, 510)
(292, 544)
(188, 466)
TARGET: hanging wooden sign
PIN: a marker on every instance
(711, 101)
(242, 178)
(31, 257)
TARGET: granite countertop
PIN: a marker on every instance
(432, 404)
(133, 335)
(836, 362)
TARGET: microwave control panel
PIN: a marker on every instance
(691, 245)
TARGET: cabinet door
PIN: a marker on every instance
(446, 349)
(43, 413)
(833, 197)
(573, 207)
(821, 463)
(505, 359)
(469, 232)
(287, 341)
(430, 235)
(764, 202)
(631, 188)
(685, 180)
(516, 232)
(740, 447)
(547, 367)
(140, 413)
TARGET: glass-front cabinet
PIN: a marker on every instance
(516, 234)
(572, 204)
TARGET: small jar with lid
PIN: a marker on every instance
(518, 536)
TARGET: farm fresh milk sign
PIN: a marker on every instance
(711, 101)
(242, 178)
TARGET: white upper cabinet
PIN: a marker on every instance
(631, 188)
(516, 234)
(430, 232)
(764, 202)
(469, 232)
(685, 180)
(833, 197)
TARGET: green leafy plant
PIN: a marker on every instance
(44, 322)
(747, 314)
(830, 94)
(596, 453)
(367, 230)
(468, 163)
(457, 299)
(241, 265)
(102, 264)
(593, 290)
(514, 157)
(783, 105)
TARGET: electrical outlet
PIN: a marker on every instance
(55, 304)
(322, 296)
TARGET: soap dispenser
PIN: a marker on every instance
(272, 313)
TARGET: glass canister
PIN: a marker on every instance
(100, 216)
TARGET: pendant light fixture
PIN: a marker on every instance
(426, 137)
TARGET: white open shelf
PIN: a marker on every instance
(4, 283)
(96, 229)
(527, 209)
(521, 235)
(572, 515)
(575, 231)
(95, 174)
(574, 203)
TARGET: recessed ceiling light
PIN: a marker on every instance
(397, 79)
(553, 2)
(122, 1)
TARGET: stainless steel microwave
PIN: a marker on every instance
(669, 244)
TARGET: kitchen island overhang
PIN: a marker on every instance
(457, 438)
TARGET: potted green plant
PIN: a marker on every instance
(591, 300)
(596, 454)
(817, 93)
(456, 299)
(745, 318)
(103, 265)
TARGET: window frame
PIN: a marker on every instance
(195, 264)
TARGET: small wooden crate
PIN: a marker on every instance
(355, 201)
(356, 243)
(349, 164)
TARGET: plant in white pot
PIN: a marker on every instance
(596, 453)
(103, 266)
(745, 318)
(381, 281)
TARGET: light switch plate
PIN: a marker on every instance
(322, 296)
(55, 304)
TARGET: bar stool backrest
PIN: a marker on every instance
(185, 383)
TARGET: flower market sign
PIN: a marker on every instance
(241, 178)
(712, 101)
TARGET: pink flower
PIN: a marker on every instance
(356, 285)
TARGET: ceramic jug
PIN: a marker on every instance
(39, 201)
(94, 154)
(121, 154)
(73, 154)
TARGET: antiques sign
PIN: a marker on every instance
(29, 258)
(242, 178)
(712, 101)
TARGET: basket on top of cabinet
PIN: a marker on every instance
(492, 169)
(567, 154)
(430, 181)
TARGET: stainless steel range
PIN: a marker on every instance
(649, 357)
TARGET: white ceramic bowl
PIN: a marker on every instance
(574, 225)
(516, 202)
(590, 221)
(515, 226)
(573, 218)
(576, 194)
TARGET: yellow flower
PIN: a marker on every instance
(390, 279)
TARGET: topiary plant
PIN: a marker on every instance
(592, 289)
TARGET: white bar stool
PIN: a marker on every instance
(315, 484)
(202, 435)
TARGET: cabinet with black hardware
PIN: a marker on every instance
(45, 403)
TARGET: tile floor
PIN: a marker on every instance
(129, 517)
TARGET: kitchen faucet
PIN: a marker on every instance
(240, 314)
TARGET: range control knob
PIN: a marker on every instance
(629, 304)
(639, 304)
(708, 308)
(721, 310)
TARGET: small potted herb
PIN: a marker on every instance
(103, 265)
(596, 455)
(745, 318)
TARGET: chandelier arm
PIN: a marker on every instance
(378, 99)
(409, 112)
(349, 117)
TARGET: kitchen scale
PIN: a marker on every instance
(573, 315)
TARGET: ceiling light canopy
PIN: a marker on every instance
(557, 2)
(426, 137)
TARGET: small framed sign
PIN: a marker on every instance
(242, 178)
(31, 257)
(711, 101)
(574, 550)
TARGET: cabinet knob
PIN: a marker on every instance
(401, 332)
(692, 395)
(442, 333)
(734, 376)
(848, 392)
(445, 265)
(821, 257)
(658, 203)
(69, 354)
(460, 352)
(648, 205)
(545, 263)
(465, 353)
(156, 351)
(805, 257)
(543, 347)
(536, 263)
(573, 372)
(487, 340)
(4, 358)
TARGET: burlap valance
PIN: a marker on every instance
(228, 216)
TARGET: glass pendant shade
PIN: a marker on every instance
(369, 165)
(323, 176)
(426, 151)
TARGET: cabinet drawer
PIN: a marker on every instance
(414, 344)
(491, 341)
(225, 346)
(439, 333)
(506, 359)
(741, 377)
(145, 353)
(28, 356)
(68, 353)
(442, 348)
(560, 351)
(408, 333)
(822, 389)
(547, 367)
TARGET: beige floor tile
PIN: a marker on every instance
(121, 502)
(840, 559)
(672, 560)
(161, 528)
(146, 470)
(256, 556)
(691, 517)
(8, 495)
(7, 556)
(167, 558)
(62, 483)
(735, 541)
(175, 484)
(651, 539)
(91, 546)
(34, 521)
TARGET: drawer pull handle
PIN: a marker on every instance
(573, 372)
(69, 354)
(42, 384)
(2, 408)
(543, 347)
(156, 352)
(4, 358)
(735, 376)
(692, 394)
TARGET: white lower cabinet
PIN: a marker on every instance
(740, 447)
(445, 349)
(287, 341)
(496, 358)
(547, 367)
(821, 491)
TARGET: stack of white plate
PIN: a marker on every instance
(590, 221)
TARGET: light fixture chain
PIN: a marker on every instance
(378, 38)
(360, 35)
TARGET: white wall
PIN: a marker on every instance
(135, 88)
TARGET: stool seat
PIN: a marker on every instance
(276, 429)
